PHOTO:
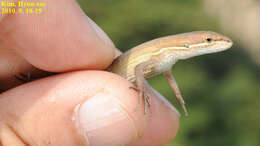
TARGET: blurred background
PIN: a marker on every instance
(222, 90)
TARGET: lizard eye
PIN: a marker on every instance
(208, 39)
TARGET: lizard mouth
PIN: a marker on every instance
(217, 47)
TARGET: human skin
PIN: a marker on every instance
(81, 105)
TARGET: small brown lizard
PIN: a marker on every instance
(159, 55)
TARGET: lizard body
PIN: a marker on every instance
(159, 55)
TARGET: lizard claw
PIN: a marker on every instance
(23, 77)
(134, 88)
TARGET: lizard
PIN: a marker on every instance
(159, 55)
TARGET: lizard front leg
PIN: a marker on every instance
(174, 86)
(145, 90)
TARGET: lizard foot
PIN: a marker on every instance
(143, 98)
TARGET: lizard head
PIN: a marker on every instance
(202, 42)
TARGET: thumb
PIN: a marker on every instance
(79, 108)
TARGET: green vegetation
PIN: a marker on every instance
(221, 90)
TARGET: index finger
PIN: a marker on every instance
(61, 38)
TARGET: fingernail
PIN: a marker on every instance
(104, 122)
(101, 34)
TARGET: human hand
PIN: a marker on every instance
(82, 107)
